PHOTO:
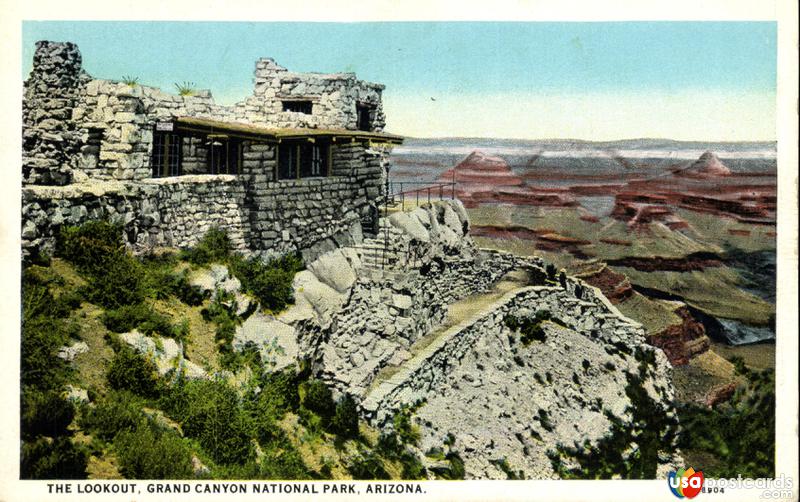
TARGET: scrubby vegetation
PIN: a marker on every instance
(737, 437)
(530, 328)
(252, 422)
(46, 450)
(631, 450)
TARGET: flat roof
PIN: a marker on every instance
(276, 135)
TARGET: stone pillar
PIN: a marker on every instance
(266, 77)
(48, 132)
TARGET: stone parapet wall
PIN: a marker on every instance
(156, 213)
(334, 98)
(429, 368)
(268, 217)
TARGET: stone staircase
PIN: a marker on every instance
(381, 256)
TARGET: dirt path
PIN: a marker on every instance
(457, 312)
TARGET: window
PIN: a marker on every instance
(224, 155)
(297, 106)
(364, 117)
(167, 149)
(302, 160)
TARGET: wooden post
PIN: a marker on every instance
(330, 160)
(276, 167)
(165, 164)
(297, 160)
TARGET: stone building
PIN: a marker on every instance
(301, 164)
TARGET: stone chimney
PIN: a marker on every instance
(48, 132)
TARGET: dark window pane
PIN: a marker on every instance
(286, 161)
(363, 120)
(297, 106)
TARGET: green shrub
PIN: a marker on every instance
(142, 317)
(279, 392)
(551, 272)
(739, 434)
(151, 452)
(88, 246)
(134, 372)
(407, 432)
(530, 328)
(367, 465)
(271, 282)
(117, 282)
(283, 461)
(116, 412)
(317, 397)
(214, 246)
(41, 339)
(44, 413)
(58, 459)
(114, 277)
(502, 464)
(345, 418)
(210, 411)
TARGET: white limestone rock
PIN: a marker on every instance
(70, 353)
(275, 340)
(334, 270)
(166, 353)
(324, 300)
(411, 226)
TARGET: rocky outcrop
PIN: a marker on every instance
(681, 342)
(707, 166)
(166, 353)
(400, 296)
(506, 400)
(479, 172)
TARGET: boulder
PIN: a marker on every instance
(411, 226)
(323, 299)
(70, 353)
(452, 221)
(275, 340)
(334, 270)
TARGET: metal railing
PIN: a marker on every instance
(426, 191)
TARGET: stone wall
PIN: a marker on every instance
(383, 319)
(333, 97)
(589, 316)
(160, 212)
(75, 126)
(50, 139)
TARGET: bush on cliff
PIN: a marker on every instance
(152, 452)
(530, 328)
(53, 459)
(45, 413)
(214, 246)
(739, 434)
(271, 282)
(116, 412)
(212, 413)
(115, 278)
(143, 318)
(134, 372)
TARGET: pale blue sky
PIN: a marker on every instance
(685, 80)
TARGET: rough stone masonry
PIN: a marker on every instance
(92, 148)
